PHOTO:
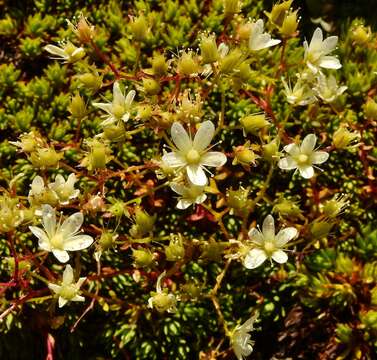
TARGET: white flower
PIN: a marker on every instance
(193, 155)
(267, 245)
(60, 238)
(259, 40)
(241, 343)
(303, 157)
(37, 187)
(190, 195)
(161, 300)
(67, 52)
(317, 52)
(68, 290)
(301, 94)
(65, 190)
(327, 88)
(119, 108)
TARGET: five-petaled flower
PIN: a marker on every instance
(67, 52)
(119, 108)
(60, 238)
(190, 195)
(194, 155)
(240, 340)
(317, 52)
(267, 245)
(68, 290)
(65, 190)
(161, 300)
(303, 157)
(259, 40)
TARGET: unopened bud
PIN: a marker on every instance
(343, 138)
(290, 24)
(91, 81)
(278, 12)
(335, 206)
(370, 109)
(142, 258)
(361, 35)
(159, 64)
(271, 150)
(107, 240)
(45, 158)
(253, 123)
(139, 28)
(286, 207)
(77, 108)
(208, 49)
(188, 64)
(231, 7)
(230, 62)
(175, 251)
(320, 229)
(151, 86)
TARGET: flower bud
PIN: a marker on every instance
(271, 150)
(45, 158)
(290, 24)
(208, 49)
(370, 109)
(335, 206)
(238, 199)
(107, 240)
(286, 207)
(175, 251)
(159, 64)
(142, 258)
(244, 155)
(278, 12)
(244, 72)
(77, 108)
(115, 133)
(343, 138)
(139, 28)
(163, 302)
(192, 290)
(231, 7)
(91, 81)
(253, 123)
(145, 112)
(74, 54)
(144, 223)
(118, 209)
(98, 156)
(84, 31)
(320, 229)
(151, 86)
(361, 35)
(10, 214)
(230, 61)
(28, 142)
(188, 64)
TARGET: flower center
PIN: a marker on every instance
(57, 241)
(302, 159)
(118, 111)
(269, 247)
(68, 292)
(193, 156)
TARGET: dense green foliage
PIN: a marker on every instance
(321, 304)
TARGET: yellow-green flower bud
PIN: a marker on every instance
(188, 64)
(139, 28)
(230, 62)
(73, 52)
(320, 229)
(244, 72)
(370, 109)
(163, 302)
(144, 220)
(231, 7)
(286, 207)
(278, 12)
(107, 240)
(343, 138)
(45, 158)
(361, 35)
(98, 157)
(253, 123)
(115, 132)
(151, 86)
(271, 150)
(244, 155)
(91, 81)
(159, 64)
(175, 251)
(290, 24)
(142, 258)
(238, 199)
(84, 31)
(145, 112)
(192, 290)
(118, 208)
(10, 214)
(335, 206)
(77, 107)
(208, 49)
(28, 142)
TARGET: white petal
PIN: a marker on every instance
(126, 117)
(180, 137)
(256, 236)
(118, 97)
(71, 180)
(204, 136)
(130, 98)
(292, 149)
(329, 44)
(183, 204)
(104, 106)
(178, 188)
(254, 258)
(308, 144)
(200, 199)
(330, 62)
(80, 281)
(62, 302)
(49, 220)
(213, 158)
(173, 160)
(287, 163)
(55, 50)
(280, 256)
(306, 171)
(78, 298)
(68, 275)
(44, 242)
(55, 288)
(317, 38)
(268, 228)
(78, 242)
(319, 157)
(61, 255)
(37, 185)
(196, 175)
(285, 235)
(72, 224)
